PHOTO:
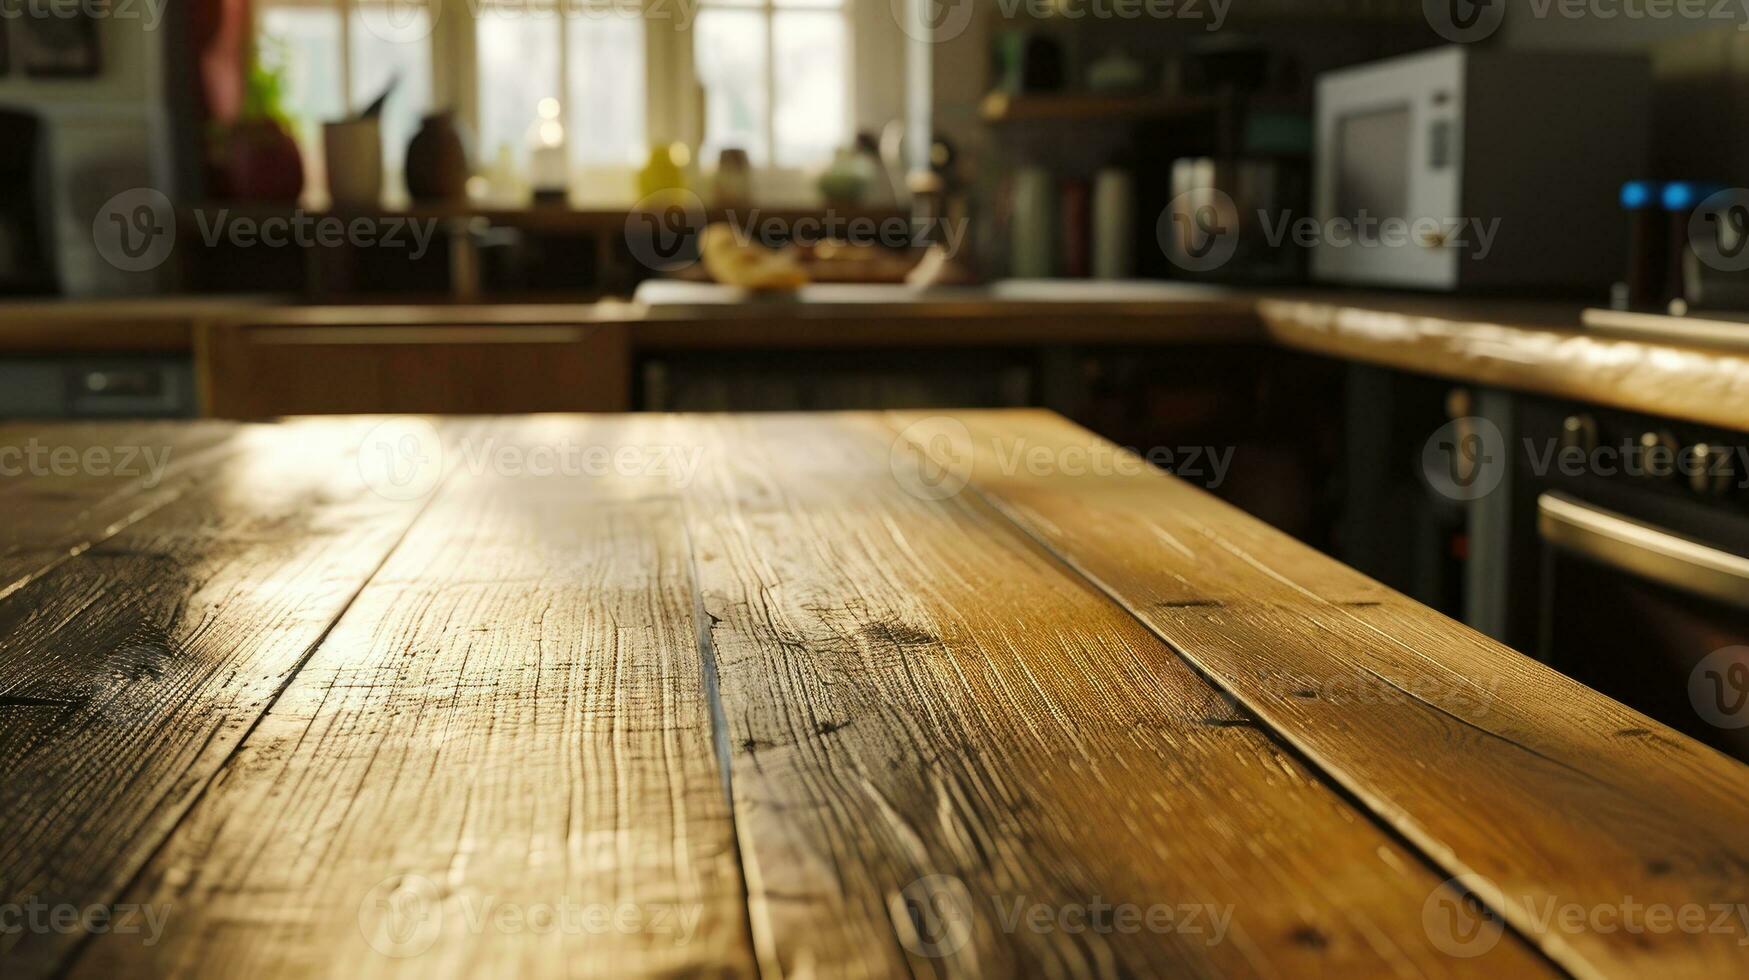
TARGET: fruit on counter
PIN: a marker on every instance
(748, 264)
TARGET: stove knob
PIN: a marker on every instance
(1658, 454)
(1579, 432)
(1711, 469)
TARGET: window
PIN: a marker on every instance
(339, 56)
(773, 77)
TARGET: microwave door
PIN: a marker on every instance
(1373, 152)
(1390, 160)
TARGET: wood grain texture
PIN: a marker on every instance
(1554, 796)
(69, 486)
(510, 722)
(1517, 351)
(129, 673)
(938, 732)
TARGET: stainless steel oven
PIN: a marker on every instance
(1642, 529)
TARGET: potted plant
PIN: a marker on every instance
(258, 158)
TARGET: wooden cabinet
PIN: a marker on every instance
(255, 371)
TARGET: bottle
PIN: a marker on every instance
(665, 172)
(548, 167)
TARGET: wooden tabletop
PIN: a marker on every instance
(814, 696)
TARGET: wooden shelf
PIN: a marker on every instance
(555, 219)
(1001, 107)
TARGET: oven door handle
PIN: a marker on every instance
(1640, 549)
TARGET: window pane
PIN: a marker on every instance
(305, 43)
(518, 52)
(606, 112)
(813, 112)
(379, 55)
(729, 53)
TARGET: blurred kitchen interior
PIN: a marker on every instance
(255, 208)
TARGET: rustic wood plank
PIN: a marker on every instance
(936, 729)
(128, 674)
(1552, 796)
(67, 486)
(511, 720)
(1534, 347)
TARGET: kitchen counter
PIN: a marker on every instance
(1523, 347)
(151, 325)
(833, 695)
(1537, 347)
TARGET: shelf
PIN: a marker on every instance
(1001, 107)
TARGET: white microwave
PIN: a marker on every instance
(1459, 168)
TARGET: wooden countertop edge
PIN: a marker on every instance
(1708, 386)
(1537, 348)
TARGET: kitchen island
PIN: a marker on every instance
(836, 695)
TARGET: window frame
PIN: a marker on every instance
(875, 92)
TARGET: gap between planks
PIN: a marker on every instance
(1365, 808)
